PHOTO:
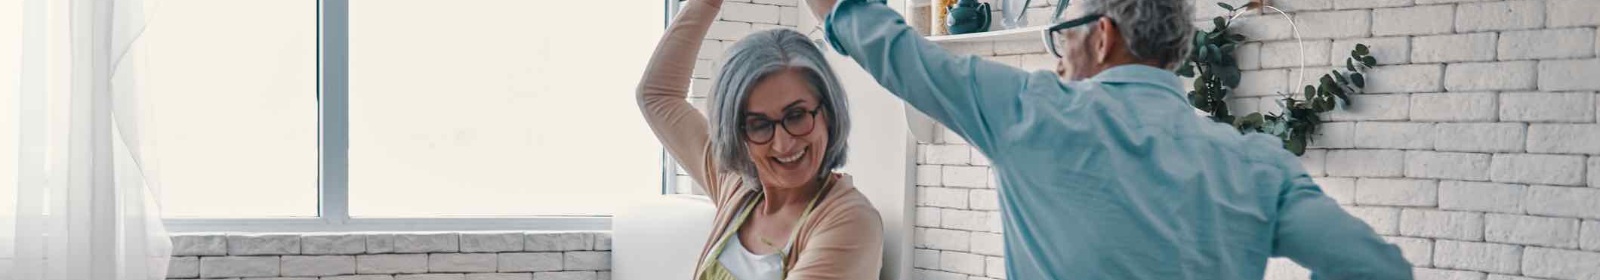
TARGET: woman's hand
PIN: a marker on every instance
(820, 8)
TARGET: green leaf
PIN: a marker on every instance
(1187, 70)
(1361, 49)
(1358, 80)
(1369, 61)
(1219, 22)
(1339, 77)
(1311, 92)
(1349, 64)
(1225, 6)
(1296, 145)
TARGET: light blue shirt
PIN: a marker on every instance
(1116, 177)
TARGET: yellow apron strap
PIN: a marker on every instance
(826, 184)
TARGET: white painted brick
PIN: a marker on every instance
(183, 267)
(263, 244)
(942, 197)
(785, 3)
(1561, 264)
(1383, 220)
(949, 154)
(1363, 4)
(566, 275)
(1396, 192)
(1508, 277)
(1366, 163)
(985, 243)
(587, 260)
(1453, 107)
(1261, 28)
(928, 175)
(1563, 202)
(1453, 48)
(1284, 269)
(1547, 107)
(1262, 83)
(1424, 2)
(1418, 20)
(923, 258)
(390, 264)
(1441, 224)
(966, 176)
(963, 220)
(1589, 238)
(1395, 135)
(727, 30)
(1334, 135)
(557, 241)
(700, 88)
(1547, 43)
(199, 245)
(979, 159)
(948, 136)
(995, 267)
(378, 243)
(1037, 62)
(938, 275)
(454, 262)
(426, 242)
(1303, 5)
(1594, 172)
(1335, 24)
(1511, 75)
(980, 48)
(961, 262)
(712, 50)
(359, 277)
(1508, 15)
(602, 241)
(529, 262)
(1285, 54)
(1405, 78)
(1018, 47)
(1488, 257)
(1480, 137)
(1480, 196)
(318, 265)
(332, 244)
(1342, 190)
(1248, 56)
(1417, 251)
(944, 239)
(789, 16)
(1243, 105)
(434, 276)
(231, 266)
(742, 12)
(1563, 13)
(472, 242)
(983, 200)
(704, 69)
(1559, 75)
(1373, 107)
(1267, 105)
(927, 217)
(1442, 165)
(1537, 169)
(1530, 230)
(1388, 50)
(1314, 162)
(1564, 139)
(1445, 274)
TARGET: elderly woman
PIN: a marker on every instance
(777, 130)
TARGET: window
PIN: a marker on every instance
(360, 114)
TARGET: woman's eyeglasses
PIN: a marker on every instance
(1051, 38)
(797, 122)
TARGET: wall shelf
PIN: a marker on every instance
(1025, 33)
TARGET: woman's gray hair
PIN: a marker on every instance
(1153, 29)
(752, 59)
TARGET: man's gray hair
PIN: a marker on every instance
(752, 59)
(1157, 30)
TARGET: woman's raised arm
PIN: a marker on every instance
(662, 92)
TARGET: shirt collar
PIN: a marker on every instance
(1145, 74)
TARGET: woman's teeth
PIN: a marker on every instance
(793, 158)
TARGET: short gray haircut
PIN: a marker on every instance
(752, 59)
(1156, 30)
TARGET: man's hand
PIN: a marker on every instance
(821, 8)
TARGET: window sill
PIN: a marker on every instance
(537, 223)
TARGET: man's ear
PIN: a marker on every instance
(1108, 37)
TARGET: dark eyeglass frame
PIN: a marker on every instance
(1050, 33)
(750, 135)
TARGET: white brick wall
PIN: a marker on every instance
(348, 256)
(1476, 149)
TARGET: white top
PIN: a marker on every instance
(745, 265)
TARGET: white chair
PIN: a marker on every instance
(660, 237)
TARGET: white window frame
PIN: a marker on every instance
(333, 200)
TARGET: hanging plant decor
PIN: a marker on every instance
(1216, 74)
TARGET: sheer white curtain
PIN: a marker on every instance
(76, 202)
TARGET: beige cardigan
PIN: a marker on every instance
(842, 239)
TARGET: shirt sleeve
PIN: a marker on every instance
(1314, 232)
(662, 94)
(971, 96)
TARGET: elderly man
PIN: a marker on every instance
(1110, 174)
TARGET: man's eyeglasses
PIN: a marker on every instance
(797, 122)
(1050, 34)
